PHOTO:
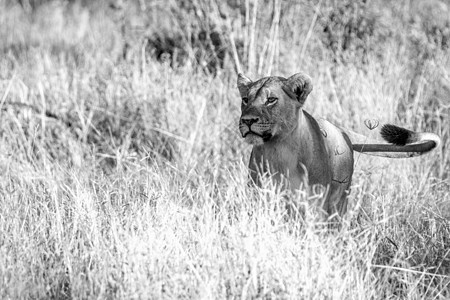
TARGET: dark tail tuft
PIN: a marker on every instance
(396, 135)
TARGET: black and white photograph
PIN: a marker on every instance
(225, 149)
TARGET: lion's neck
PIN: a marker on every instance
(293, 153)
(282, 154)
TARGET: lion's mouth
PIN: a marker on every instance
(266, 135)
(262, 131)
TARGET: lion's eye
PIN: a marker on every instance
(271, 100)
(245, 100)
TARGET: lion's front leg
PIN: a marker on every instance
(255, 170)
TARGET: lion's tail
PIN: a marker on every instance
(402, 142)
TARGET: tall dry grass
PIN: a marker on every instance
(136, 185)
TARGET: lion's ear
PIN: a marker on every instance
(298, 86)
(242, 83)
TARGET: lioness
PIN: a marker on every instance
(296, 149)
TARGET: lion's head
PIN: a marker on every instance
(270, 106)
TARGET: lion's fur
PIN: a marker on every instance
(298, 150)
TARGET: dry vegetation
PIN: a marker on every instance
(123, 175)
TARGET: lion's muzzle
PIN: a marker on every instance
(253, 125)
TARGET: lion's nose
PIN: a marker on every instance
(249, 120)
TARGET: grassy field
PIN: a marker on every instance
(123, 174)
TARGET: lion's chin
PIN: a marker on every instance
(254, 139)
